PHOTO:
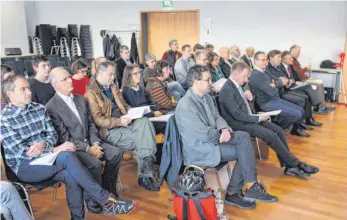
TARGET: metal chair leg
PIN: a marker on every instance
(55, 191)
(257, 141)
(229, 171)
(27, 198)
(120, 185)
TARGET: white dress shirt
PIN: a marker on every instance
(69, 102)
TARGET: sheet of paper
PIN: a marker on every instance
(272, 113)
(317, 81)
(46, 160)
(219, 83)
(138, 112)
(314, 87)
(163, 118)
(299, 85)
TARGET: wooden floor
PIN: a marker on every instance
(323, 196)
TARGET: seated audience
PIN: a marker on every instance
(158, 89)
(80, 77)
(136, 95)
(235, 53)
(71, 119)
(29, 134)
(6, 71)
(266, 90)
(172, 55)
(12, 206)
(209, 48)
(182, 66)
(247, 57)
(213, 64)
(224, 61)
(150, 60)
(236, 110)
(305, 97)
(109, 111)
(42, 90)
(208, 141)
(121, 63)
(301, 75)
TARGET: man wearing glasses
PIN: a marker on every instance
(41, 89)
(266, 89)
(208, 141)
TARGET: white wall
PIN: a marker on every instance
(13, 26)
(318, 27)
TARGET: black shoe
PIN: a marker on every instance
(148, 184)
(296, 171)
(115, 207)
(258, 192)
(306, 127)
(237, 199)
(320, 111)
(308, 168)
(92, 206)
(312, 122)
(299, 132)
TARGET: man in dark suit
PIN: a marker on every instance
(224, 61)
(236, 110)
(247, 57)
(298, 96)
(72, 122)
(286, 67)
(266, 90)
(122, 62)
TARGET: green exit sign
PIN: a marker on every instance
(167, 3)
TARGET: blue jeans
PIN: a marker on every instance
(176, 90)
(291, 113)
(66, 168)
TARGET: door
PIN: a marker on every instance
(164, 26)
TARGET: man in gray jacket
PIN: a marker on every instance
(208, 140)
(183, 64)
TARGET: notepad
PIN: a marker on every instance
(299, 85)
(138, 112)
(46, 160)
(220, 83)
(272, 113)
(163, 118)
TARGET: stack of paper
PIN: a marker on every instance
(138, 112)
(163, 118)
(272, 113)
(46, 160)
(299, 85)
(219, 83)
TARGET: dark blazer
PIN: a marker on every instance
(120, 65)
(233, 107)
(249, 63)
(294, 75)
(68, 126)
(261, 88)
(225, 67)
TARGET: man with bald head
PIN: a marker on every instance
(224, 61)
(235, 53)
(72, 121)
(248, 56)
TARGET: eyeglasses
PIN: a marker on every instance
(207, 80)
(136, 73)
(263, 60)
(84, 70)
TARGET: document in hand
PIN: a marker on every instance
(219, 83)
(299, 85)
(138, 112)
(272, 113)
(46, 160)
(163, 118)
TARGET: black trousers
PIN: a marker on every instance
(113, 156)
(301, 99)
(274, 136)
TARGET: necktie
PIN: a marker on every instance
(245, 100)
(74, 109)
(250, 63)
(289, 72)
